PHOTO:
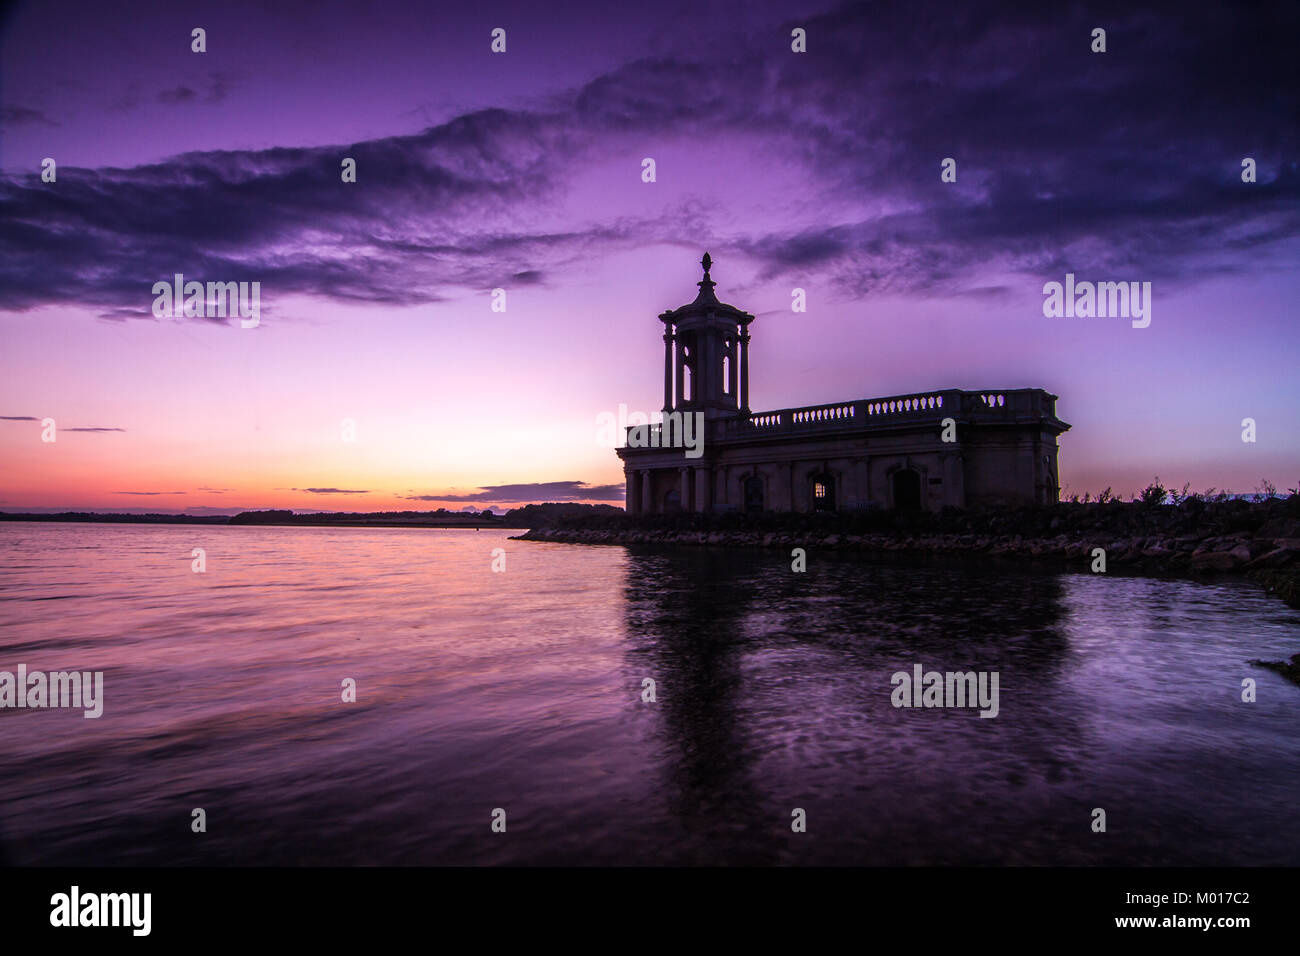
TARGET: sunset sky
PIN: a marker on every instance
(522, 170)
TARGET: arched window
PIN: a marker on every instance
(753, 493)
(823, 492)
(907, 490)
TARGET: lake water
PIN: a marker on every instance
(522, 690)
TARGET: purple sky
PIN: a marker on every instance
(522, 170)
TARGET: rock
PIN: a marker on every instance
(1290, 671)
(1258, 547)
(1276, 558)
(1216, 561)
(1279, 528)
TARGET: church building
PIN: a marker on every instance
(928, 450)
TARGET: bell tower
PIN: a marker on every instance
(706, 354)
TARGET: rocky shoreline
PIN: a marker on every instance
(1268, 553)
(1194, 554)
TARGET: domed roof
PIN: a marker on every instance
(706, 302)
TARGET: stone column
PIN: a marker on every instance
(703, 476)
(705, 367)
(668, 367)
(744, 371)
(1040, 473)
(861, 483)
(733, 372)
(685, 490)
(681, 374)
(1024, 472)
(954, 491)
(647, 505)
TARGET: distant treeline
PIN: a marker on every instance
(95, 517)
(526, 517)
(529, 516)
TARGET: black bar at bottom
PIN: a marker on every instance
(654, 906)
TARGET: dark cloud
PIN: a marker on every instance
(18, 418)
(218, 86)
(181, 94)
(332, 491)
(431, 211)
(148, 492)
(1126, 162)
(93, 428)
(22, 116)
(534, 491)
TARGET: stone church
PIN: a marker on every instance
(928, 450)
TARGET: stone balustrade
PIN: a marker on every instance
(981, 405)
(969, 406)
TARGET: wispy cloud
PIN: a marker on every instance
(217, 88)
(32, 418)
(534, 491)
(22, 116)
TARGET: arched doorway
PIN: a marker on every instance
(907, 490)
(823, 492)
(672, 501)
(753, 493)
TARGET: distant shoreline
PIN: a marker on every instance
(525, 517)
(296, 521)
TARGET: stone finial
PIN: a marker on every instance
(706, 296)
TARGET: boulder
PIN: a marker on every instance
(1279, 528)
(1277, 558)
(1216, 561)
